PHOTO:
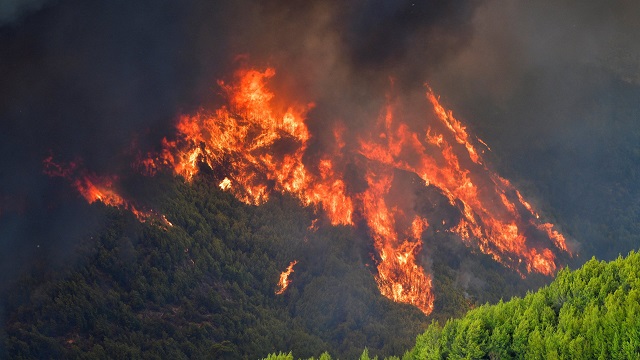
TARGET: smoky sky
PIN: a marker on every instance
(102, 81)
(553, 87)
(96, 83)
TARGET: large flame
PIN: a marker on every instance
(247, 133)
(265, 144)
(494, 213)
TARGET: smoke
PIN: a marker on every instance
(552, 86)
(11, 11)
(511, 41)
(91, 82)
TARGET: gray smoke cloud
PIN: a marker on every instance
(12, 11)
(553, 87)
(512, 39)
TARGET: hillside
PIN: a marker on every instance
(590, 313)
(206, 285)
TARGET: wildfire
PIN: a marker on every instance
(284, 278)
(494, 213)
(225, 184)
(266, 142)
(248, 133)
(97, 188)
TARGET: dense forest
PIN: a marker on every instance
(206, 285)
(590, 313)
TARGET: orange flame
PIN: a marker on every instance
(247, 133)
(284, 278)
(447, 160)
(95, 188)
(399, 277)
(266, 144)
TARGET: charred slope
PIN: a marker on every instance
(206, 285)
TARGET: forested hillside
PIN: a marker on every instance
(591, 313)
(205, 287)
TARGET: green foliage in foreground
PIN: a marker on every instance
(591, 313)
(324, 356)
